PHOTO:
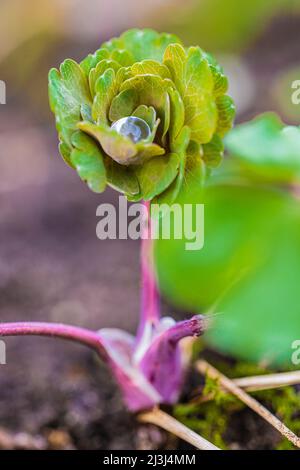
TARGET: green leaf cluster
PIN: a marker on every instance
(179, 92)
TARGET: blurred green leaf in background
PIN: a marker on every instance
(267, 149)
(229, 25)
(249, 268)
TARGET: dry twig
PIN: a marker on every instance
(268, 381)
(167, 422)
(256, 383)
(206, 369)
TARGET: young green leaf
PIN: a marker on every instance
(92, 60)
(99, 70)
(118, 147)
(147, 113)
(142, 44)
(180, 147)
(65, 152)
(152, 91)
(123, 57)
(157, 174)
(68, 90)
(147, 151)
(150, 67)
(105, 88)
(213, 152)
(122, 178)
(193, 78)
(86, 157)
(123, 104)
(177, 114)
(226, 113)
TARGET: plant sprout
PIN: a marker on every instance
(144, 115)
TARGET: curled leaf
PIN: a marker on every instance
(118, 147)
(123, 105)
(157, 174)
(86, 157)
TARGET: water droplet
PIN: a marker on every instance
(133, 127)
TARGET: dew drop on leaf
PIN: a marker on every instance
(133, 127)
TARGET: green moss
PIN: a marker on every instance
(211, 418)
(285, 402)
(208, 420)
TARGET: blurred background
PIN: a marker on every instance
(52, 267)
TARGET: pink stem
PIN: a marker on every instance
(194, 326)
(81, 335)
(150, 308)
